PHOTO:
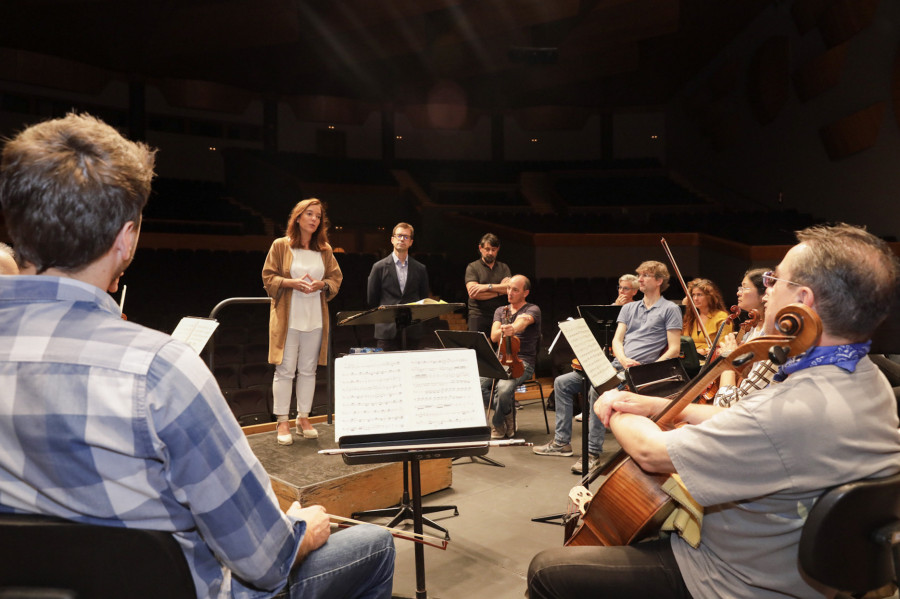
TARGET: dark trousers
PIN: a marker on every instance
(637, 571)
(481, 323)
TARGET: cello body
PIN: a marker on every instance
(629, 505)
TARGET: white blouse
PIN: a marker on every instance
(306, 308)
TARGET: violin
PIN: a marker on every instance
(752, 321)
(630, 504)
(707, 396)
(508, 351)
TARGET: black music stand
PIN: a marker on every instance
(602, 321)
(413, 457)
(402, 315)
(585, 410)
(489, 365)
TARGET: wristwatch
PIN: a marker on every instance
(490, 286)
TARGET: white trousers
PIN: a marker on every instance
(301, 356)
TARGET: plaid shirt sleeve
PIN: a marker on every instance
(759, 378)
(211, 470)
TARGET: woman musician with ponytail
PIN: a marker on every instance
(751, 299)
(759, 466)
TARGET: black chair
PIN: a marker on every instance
(534, 382)
(50, 558)
(851, 539)
(690, 359)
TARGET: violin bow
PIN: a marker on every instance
(687, 293)
(398, 533)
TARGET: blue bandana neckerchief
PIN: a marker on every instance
(845, 356)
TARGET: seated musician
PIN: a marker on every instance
(647, 331)
(110, 423)
(523, 320)
(760, 465)
(709, 303)
(627, 289)
(751, 297)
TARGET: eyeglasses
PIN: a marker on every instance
(769, 279)
(403, 237)
(626, 288)
(742, 289)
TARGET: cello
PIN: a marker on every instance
(630, 504)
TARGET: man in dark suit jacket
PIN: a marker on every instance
(397, 279)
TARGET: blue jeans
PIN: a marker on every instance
(356, 563)
(564, 389)
(504, 394)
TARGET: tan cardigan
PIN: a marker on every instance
(275, 270)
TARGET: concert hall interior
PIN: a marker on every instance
(580, 132)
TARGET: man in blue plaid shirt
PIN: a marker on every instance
(110, 423)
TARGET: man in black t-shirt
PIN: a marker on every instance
(486, 284)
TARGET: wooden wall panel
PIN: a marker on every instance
(820, 74)
(854, 133)
(846, 18)
(768, 79)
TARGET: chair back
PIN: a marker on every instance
(690, 359)
(50, 557)
(843, 544)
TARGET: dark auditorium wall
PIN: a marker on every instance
(800, 111)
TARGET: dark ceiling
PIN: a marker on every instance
(490, 54)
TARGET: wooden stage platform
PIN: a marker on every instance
(300, 473)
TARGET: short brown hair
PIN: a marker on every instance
(68, 186)
(412, 232)
(658, 270)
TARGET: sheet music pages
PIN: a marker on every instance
(389, 392)
(596, 365)
(195, 331)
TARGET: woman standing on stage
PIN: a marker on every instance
(300, 275)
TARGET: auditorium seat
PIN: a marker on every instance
(250, 406)
(256, 375)
(227, 376)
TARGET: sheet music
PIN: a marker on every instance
(388, 392)
(195, 331)
(595, 363)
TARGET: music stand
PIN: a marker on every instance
(602, 321)
(414, 458)
(580, 341)
(488, 364)
(402, 315)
